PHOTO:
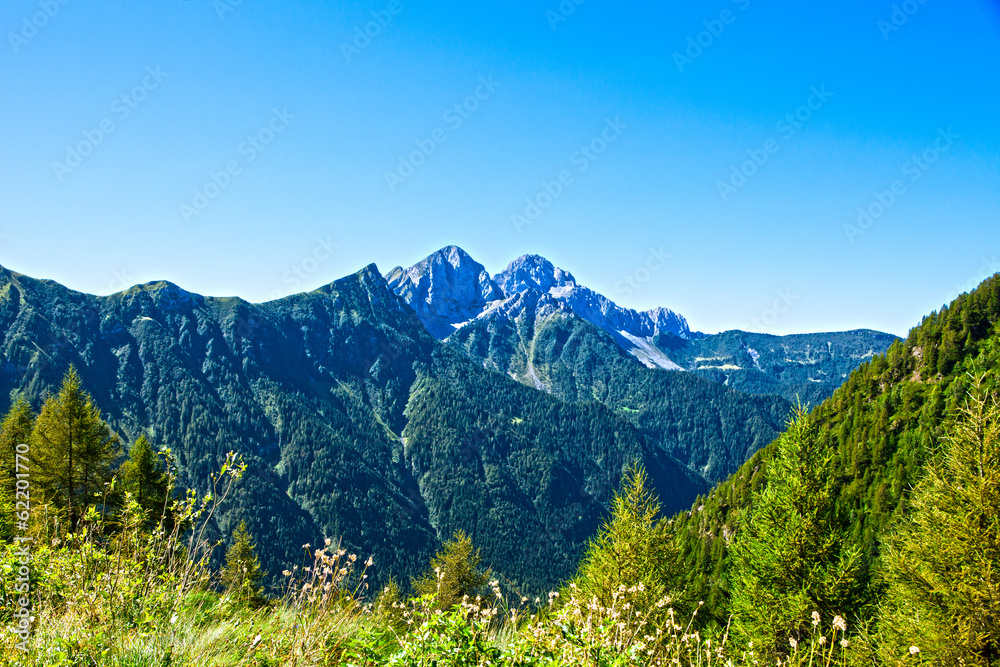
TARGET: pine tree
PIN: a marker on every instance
(144, 475)
(453, 573)
(943, 563)
(14, 430)
(242, 574)
(73, 449)
(634, 547)
(788, 557)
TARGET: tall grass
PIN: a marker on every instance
(116, 593)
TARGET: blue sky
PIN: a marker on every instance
(714, 156)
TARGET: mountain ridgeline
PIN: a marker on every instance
(533, 322)
(391, 412)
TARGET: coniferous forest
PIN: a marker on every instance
(865, 533)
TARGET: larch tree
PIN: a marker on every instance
(145, 476)
(942, 566)
(454, 572)
(242, 573)
(634, 550)
(73, 451)
(789, 556)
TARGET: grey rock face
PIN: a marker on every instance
(445, 289)
(449, 289)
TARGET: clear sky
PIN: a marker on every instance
(713, 155)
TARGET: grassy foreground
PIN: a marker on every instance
(118, 593)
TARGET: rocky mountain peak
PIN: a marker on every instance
(532, 272)
(446, 289)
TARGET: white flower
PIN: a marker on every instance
(914, 650)
(815, 618)
(840, 623)
(791, 640)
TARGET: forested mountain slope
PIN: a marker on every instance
(871, 439)
(706, 425)
(535, 323)
(356, 423)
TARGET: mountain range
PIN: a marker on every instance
(392, 410)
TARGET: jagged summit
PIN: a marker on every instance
(449, 288)
(446, 289)
(533, 272)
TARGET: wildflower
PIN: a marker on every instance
(793, 642)
(173, 619)
(815, 616)
(914, 650)
(822, 641)
(327, 541)
(840, 623)
(368, 563)
(287, 573)
(844, 643)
